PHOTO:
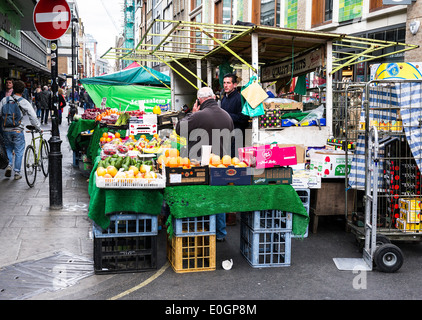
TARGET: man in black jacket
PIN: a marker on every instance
(208, 124)
(232, 103)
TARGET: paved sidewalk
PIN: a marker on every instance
(29, 230)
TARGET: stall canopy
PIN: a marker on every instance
(138, 88)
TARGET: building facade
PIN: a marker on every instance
(362, 18)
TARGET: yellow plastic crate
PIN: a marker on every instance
(410, 216)
(408, 227)
(411, 204)
(192, 253)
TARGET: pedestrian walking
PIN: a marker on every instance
(62, 104)
(8, 90)
(12, 110)
(37, 101)
(45, 102)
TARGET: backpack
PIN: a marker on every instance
(11, 113)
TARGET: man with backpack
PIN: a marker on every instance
(12, 110)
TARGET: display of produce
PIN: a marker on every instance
(225, 161)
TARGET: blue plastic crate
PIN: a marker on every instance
(128, 224)
(268, 220)
(194, 226)
(265, 248)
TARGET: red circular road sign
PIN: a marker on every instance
(51, 18)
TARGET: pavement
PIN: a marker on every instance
(29, 229)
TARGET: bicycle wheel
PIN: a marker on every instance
(30, 165)
(44, 158)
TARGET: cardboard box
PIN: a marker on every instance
(268, 156)
(306, 182)
(274, 175)
(194, 175)
(330, 163)
(283, 106)
(300, 151)
(230, 175)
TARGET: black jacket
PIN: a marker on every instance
(232, 103)
(205, 127)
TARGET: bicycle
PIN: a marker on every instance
(35, 159)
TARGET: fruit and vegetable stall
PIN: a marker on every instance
(134, 174)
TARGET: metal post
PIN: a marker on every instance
(55, 156)
(73, 62)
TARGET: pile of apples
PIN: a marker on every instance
(225, 161)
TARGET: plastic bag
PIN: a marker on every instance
(246, 108)
(314, 114)
(4, 160)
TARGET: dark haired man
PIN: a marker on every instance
(14, 137)
(232, 103)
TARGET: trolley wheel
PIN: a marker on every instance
(388, 258)
(381, 239)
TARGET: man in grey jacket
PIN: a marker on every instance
(14, 137)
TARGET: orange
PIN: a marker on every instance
(112, 170)
(160, 159)
(185, 162)
(173, 153)
(105, 135)
(172, 163)
(134, 169)
(235, 161)
(215, 160)
(117, 135)
(101, 171)
(226, 160)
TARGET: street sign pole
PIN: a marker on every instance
(51, 20)
(55, 156)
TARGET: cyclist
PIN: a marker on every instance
(13, 128)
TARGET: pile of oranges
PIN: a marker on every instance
(171, 158)
(225, 161)
(110, 137)
(106, 113)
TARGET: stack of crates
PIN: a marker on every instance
(265, 238)
(192, 245)
(129, 244)
(410, 215)
(305, 196)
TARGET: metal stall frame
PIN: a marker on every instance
(183, 42)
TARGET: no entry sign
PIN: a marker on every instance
(51, 18)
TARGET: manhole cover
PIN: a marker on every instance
(27, 279)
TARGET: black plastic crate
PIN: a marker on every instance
(125, 254)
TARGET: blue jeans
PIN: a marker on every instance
(220, 225)
(15, 141)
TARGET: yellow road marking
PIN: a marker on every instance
(142, 284)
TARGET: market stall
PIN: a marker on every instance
(270, 54)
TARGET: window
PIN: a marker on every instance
(322, 12)
(270, 13)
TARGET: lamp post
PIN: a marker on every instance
(55, 155)
(74, 74)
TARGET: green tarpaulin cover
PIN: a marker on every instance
(197, 200)
(139, 76)
(132, 89)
